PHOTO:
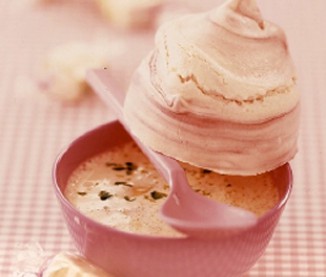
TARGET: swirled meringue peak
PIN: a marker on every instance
(218, 91)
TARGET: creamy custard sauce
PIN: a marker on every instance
(122, 189)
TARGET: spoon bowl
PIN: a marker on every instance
(184, 209)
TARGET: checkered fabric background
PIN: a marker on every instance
(34, 129)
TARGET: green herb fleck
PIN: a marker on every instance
(104, 195)
(127, 198)
(205, 193)
(121, 183)
(115, 166)
(130, 167)
(119, 168)
(157, 195)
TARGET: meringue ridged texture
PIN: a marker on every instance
(218, 91)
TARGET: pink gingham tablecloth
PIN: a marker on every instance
(35, 128)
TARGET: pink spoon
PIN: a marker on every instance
(184, 209)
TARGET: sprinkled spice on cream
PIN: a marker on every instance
(121, 188)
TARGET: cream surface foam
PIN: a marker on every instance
(218, 91)
(121, 188)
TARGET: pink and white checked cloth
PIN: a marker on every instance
(33, 130)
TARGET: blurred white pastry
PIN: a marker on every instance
(131, 13)
(65, 66)
(71, 265)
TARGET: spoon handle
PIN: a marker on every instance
(114, 97)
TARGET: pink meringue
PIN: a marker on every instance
(218, 91)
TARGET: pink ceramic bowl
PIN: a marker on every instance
(125, 254)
